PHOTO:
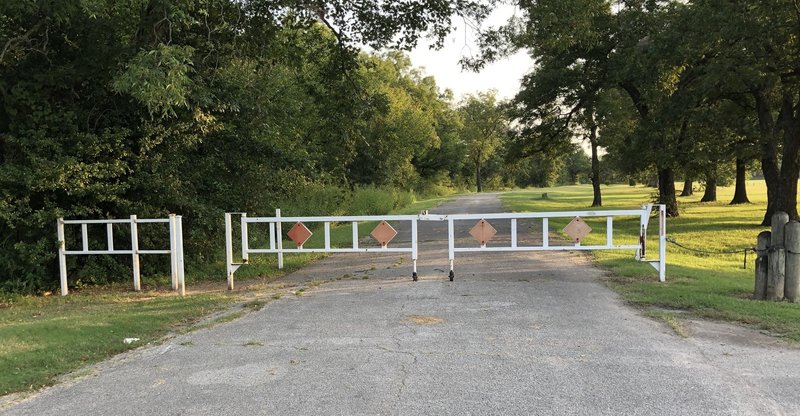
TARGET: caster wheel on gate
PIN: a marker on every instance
(414, 276)
(452, 275)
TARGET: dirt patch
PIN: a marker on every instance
(425, 320)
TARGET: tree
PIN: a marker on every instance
(750, 58)
(485, 126)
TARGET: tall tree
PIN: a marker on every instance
(485, 126)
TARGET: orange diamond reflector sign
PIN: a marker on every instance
(384, 233)
(482, 232)
(577, 229)
(299, 234)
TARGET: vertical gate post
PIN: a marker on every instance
(62, 258)
(137, 280)
(414, 256)
(229, 250)
(279, 237)
(662, 242)
(179, 249)
(245, 242)
(451, 246)
(173, 250)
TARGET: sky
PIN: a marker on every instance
(503, 75)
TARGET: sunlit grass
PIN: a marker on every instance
(708, 285)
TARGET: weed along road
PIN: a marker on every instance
(514, 334)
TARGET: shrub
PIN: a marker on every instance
(372, 200)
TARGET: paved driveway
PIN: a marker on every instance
(515, 334)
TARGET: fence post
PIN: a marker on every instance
(777, 258)
(62, 258)
(173, 250)
(762, 265)
(662, 243)
(792, 242)
(137, 279)
(245, 242)
(229, 250)
(279, 237)
(179, 240)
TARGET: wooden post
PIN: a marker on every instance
(762, 265)
(792, 243)
(776, 274)
(779, 220)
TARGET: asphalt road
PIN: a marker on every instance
(514, 334)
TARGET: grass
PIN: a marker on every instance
(709, 286)
(46, 337)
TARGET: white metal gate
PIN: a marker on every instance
(175, 250)
(640, 247)
(276, 241)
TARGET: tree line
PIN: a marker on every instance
(700, 89)
(110, 108)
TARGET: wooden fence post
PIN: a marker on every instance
(777, 258)
(762, 265)
(792, 243)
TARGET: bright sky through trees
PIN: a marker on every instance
(504, 75)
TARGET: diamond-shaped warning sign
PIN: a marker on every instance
(384, 233)
(482, 232)
(577, 229)
(299, 234)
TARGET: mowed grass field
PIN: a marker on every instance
(43, 338)
(712, 286)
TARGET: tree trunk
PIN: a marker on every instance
(687, 187)
(478, 175)
(710, 193)
(740, 195)
(781, 181)
(597, 201)
(666, 190)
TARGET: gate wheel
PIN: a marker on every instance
(414, 276)
(452, 275)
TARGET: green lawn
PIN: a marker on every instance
(42, 338)
(712, 286)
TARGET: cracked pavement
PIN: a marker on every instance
(514, 334)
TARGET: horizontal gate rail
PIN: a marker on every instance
(640, 248)
(175, 224)
(276, 237)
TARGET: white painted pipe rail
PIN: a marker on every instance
(640, 248)
(174, 222)
(276, 238)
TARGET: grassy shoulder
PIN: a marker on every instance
(710, 286)
(44, 338)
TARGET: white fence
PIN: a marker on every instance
(276, 240)
(175, 247)
(640, 247)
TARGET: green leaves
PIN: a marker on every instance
(159, 79)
